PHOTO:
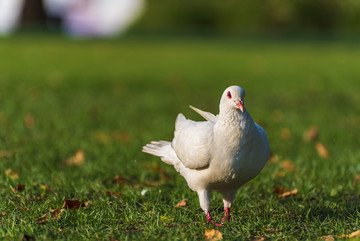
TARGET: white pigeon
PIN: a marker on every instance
(221, 154)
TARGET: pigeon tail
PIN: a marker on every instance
(163, 150)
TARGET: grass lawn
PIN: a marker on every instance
(106, 99)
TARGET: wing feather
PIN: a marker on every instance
(192, 141)
(207, 115)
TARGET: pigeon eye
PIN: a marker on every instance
(229, 95)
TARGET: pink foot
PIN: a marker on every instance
(227, 214)
(209, 218)
(225, 218)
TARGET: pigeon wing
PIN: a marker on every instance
(207, 115)
(192, 142)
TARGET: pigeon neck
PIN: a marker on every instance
(233, 117)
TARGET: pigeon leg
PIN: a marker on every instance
(204, 199)
(227, 214)
(228, 199)
(209, 218)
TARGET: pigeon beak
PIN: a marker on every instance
(240, 104)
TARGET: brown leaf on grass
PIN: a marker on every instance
(76, 160)
(120, 180)
(311, 134)
(102, 137)
(273, 158)
(283, 192)
(121, 136)
(136, 186)
(72, 204)
(18, 188)
(356, 179)
(116, 194)
(321, 149)
(47, 187)
(182, 203)
(213, 235)
(258, 239)
(285, 133)
(354, 234)
(287, 165)
(29, 121)
(27, 237)
(55, 214)
(5, 154)
(278, 174)
(106, 138)
(351, 235)
(327, 238)
(10, 173)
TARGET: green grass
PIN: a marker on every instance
(109, 98)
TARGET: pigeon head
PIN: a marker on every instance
(233, 98)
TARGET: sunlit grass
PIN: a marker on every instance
(108, 98)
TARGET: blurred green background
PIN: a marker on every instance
(330, 17)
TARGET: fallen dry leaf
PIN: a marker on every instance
(10, 173)
(273, 158)
(182, 203)
(18, 188)
(356, 179)
(76, 160)
(258, 239)
(116, 194)
(352, 235)
(278, 174)
(213, 235)
(120, 180)
(106, 138)
(72, 204)
(136, 186)
(311, 134)
(29, 121)
(327, 238)
(121, 136)
(55, 214)
(47, 187)
(27, 237)
(5, 154)
(23, 208)
(321, 149)
(287, 165)
(102, 137)
(285, 133)
(283, 192)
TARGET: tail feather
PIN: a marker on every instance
(161, 149)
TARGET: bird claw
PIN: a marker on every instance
(225, 218)
(209, 219)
